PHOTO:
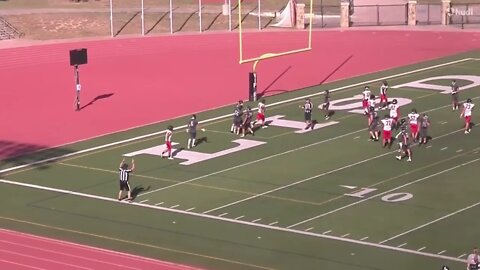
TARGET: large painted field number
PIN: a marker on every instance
(364, 193)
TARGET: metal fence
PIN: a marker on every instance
(325, 15)
(375, 15)
(429, 14)
(462, 14)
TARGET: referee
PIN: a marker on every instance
(124, 176)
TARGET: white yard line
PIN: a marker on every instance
(345, 235)
(309, 229)
(327, 232)
(241, 222)
(190, 209)
(364, 238)
(256, 220)
(240, 217)
(402, 245)
(461, 256)
(422, 248)
(441, 252)
(249, 163)
(436, 220)
(143, 201)
(384, 193)
(225, 116)
(310, 178)
(160, 203)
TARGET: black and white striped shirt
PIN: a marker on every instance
(308, 107)
(124, 174)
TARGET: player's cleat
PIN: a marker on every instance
(327, 117)
(466, 131)
(170, 157)
(242, 135)
(264, 126)
(409, 159)
(398, 157)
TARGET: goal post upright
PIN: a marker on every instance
(271, 55)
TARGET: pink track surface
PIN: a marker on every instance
(25, 251)
(158, 78)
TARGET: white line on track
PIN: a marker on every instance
(438, 219)
(402, 245)
(240, 222)
(422, 248)
(384, 193)
(228, 115)
(56, 261)
(72, 255)
(312, 178)
(22, 265)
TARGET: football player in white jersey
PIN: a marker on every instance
(413, 121)
(467, 114)
(394, 112)
(260, 114)
(473, 260)
(383, 95)
(168, 142)
(387, 124)
(366, 97)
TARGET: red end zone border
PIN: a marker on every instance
(26, 251)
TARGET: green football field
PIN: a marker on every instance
(288, 199)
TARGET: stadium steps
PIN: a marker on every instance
(8, 31)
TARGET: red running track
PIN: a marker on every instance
(25, 252)
(154, 79)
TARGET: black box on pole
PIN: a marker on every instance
(78, 57)
(252, 86)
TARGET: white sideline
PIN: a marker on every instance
(227, 115)
(431, 222)
(385, 192)
(247, 223)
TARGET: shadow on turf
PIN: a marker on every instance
(138, 190)
(16, 153)
(104, 96)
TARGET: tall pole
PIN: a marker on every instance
(111, 18)
(77, 89)
(143, 21)
(259, 17)
(229, 15)
(200, 15)
(171, 17)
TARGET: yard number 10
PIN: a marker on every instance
(391, 197)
